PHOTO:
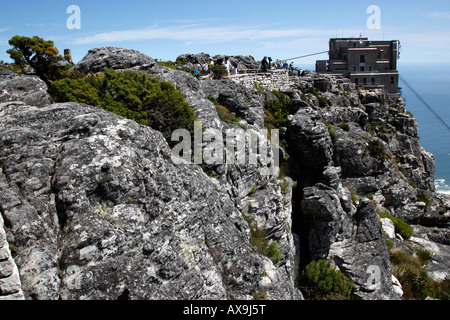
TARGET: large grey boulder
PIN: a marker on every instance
(28, 89)
(102, 58)
(245, 103)
(97, 210)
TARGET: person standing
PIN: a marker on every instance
(234, 68)
(197, 68)
(227, 64)
(264, 65)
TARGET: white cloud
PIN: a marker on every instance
(438, 15)
(199, 34)
(3, 30)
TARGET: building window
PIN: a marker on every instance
(354, 68)
(356, 81)
(370, 68)
(362, 69)
(345, 57)
(373, 80)
(392, 80)
(362, 58)
(365, 80)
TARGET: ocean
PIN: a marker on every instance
(432, 82)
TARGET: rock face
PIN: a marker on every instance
(30, 90)
(10, 286)
(242, 62)
(103, 213)
(95, 208)
(102, 58)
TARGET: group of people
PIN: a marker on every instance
(267, 62)
(231, 67)
(288, 67)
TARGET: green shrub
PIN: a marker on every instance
(424, 255)
(390, 244)
(344, 126)
(401, 227)
(259, 240)
(273, 252)
(276, 110)
(422, 197)
(218, 71)
(285, 187)
(323, 282)
(354, 195)
(225, 115)
(323, 102)
(168, 64)
(330, 129)
(416, 284)
(375, 127)
(132, 95)
(12, 248)
(377, 150)
(223, 112)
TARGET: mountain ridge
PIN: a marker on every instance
(113, 208)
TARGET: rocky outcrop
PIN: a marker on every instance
(10, 286)
(96, 209)
(242, 62)
(102, 58)
(30, 89)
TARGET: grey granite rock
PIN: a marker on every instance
(104, 212)
(96, 209)
(28, 89)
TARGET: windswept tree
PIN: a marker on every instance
(39, 54)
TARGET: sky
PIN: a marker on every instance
(280, 29)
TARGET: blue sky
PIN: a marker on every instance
(280, 29)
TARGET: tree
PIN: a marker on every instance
(39, 54)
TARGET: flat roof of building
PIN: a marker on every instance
(349, 39)
(390, 72)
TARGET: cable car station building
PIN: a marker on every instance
(371, 64)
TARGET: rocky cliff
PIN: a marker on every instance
(95, 208)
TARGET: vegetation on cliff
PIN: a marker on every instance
(321, 281)
(132, 95)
